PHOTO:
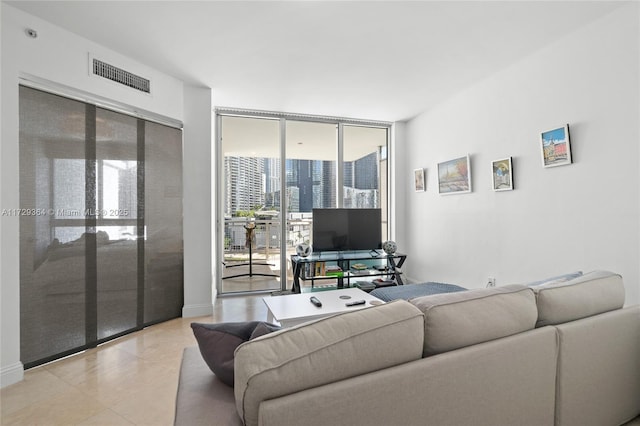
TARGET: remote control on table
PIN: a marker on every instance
(315, 301)
(355, 303)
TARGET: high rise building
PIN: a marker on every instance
(366, 172)
(244, 184)
(272, 183)
(255, 182)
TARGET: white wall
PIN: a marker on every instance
(583, 216)
(61, 57)
(198, 278)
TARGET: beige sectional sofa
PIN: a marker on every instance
(560, 353)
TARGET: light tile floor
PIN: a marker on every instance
(128, 381)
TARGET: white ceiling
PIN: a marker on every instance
(379, 60)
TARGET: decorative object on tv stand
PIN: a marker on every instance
(249, 233)
(303, 250)
(419, 182)
(389, 247)
(556, 147)
(454, 176)
(502, 174)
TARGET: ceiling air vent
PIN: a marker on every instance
(121, 76)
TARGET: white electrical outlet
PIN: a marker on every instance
(491, 282)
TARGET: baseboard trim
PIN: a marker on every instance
(11, 374)
(189, 311)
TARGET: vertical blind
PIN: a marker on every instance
(100, 228)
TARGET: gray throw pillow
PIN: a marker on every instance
(217, 343)
(557, 279)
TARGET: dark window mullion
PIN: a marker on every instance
(91, 248)
(140, 220)
(99, 187)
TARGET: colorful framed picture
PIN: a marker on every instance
(418, 176)
(454, 176)
(502, 174)
(556, 147)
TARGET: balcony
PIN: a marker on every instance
(257, 267)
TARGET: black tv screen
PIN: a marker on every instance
(346, 229)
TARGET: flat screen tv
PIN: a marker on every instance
(346, 229)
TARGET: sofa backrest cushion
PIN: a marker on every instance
(590, 294)
(324, 351)
(456, 320)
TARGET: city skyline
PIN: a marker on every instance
(254, 182)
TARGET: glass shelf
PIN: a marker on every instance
(370, 264)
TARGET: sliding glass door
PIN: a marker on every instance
(161, 224)
(312, 177)
(53, 244)
(251, 201)
(276, 168)
(113, 195)
(365, 169)
(100, 226)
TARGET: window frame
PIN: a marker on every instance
(218, 158)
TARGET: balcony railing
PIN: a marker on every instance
(265, 238)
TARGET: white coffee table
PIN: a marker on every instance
(293, 309)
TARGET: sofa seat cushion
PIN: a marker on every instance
(324, 351)
(456, 320)
(590, 294)
(410, 291)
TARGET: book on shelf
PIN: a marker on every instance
(379, 282)
(359, 266)
(333, 270)
(306, 271)
(319, 268)
(365, 285)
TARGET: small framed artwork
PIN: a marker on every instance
(502, 174)
(418, 175)
(454, 176)
(556, 147)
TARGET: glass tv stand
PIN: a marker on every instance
(348, 267)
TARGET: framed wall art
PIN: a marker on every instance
(454, 176)
(502, 174)
(556, 147)
(418, 176)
